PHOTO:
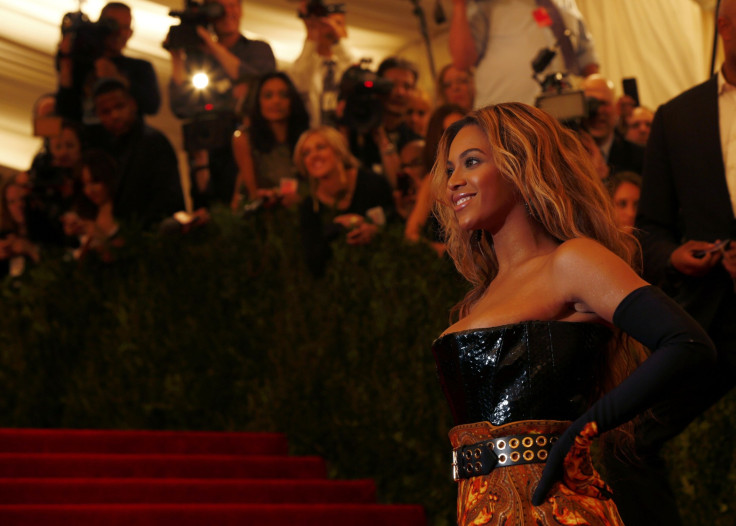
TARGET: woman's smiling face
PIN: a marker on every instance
(319, 157)
(480, 196)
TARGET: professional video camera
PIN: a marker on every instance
(558, 98)
(319, 8)
(184, 36)
(88, 37)
(363, 91)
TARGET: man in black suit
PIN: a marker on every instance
(620, 155)
(149, 187)
(687, 205)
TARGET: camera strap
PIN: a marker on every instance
(562, 34)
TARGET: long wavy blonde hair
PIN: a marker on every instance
(555, 178)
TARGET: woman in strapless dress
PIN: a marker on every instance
(538, 362)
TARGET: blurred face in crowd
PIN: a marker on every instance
(398, 100)
(639, 124)
(14, 199)
(603, 123)
(117, 111)
(457, 87)
(65, 148)
(95, 191)
(274, 100)
(411, 160)
(229, 24)
(116, 42)
(625, 203)
(418, 113)
(320, 159)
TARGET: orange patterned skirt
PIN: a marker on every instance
(504, 496)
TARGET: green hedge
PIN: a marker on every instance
(225, 329)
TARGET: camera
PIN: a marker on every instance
(319, 9)
(363, 92)
(89, 37)
(184, 36)
(558, 98)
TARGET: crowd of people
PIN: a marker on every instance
(241, 130)
(353, 150)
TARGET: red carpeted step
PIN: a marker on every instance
(97, 491)
(207, 515)
(49, 465)
(111, 441)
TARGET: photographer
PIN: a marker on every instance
(323, 60)
(375, 141)
(232, 62)
(620, 154)
(501, 38)
(91, 51)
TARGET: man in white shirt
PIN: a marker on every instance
(317, 71)
(501, 38)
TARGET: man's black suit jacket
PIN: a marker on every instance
(685, 197)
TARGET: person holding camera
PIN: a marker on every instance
(377, 148)
(232, 63)
(91, 51)
(501, 38)
(324, 58)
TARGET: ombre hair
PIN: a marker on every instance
(555, 178)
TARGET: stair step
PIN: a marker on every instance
(46, 465)
(136, 490)
(207, 515)
(172, 442)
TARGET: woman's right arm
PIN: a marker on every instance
(246, 171)
(418, 217)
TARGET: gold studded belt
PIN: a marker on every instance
(482, 457)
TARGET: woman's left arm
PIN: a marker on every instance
(596, 280)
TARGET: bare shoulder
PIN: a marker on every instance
(592, 277)
(582, 250)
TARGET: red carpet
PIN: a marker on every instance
(65, 477)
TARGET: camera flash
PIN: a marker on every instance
(200, 80)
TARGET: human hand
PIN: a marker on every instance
(565, 460)
(685, 260)
(360, 231)
(362, 234)
(66, 43)
(208, 39)
(349, 221)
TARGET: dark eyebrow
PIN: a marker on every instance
(469, 151)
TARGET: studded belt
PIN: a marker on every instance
(482, 457)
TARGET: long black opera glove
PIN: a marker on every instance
(677, 343)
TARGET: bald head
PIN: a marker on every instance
(602, 123)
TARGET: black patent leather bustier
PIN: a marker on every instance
(535, 370)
